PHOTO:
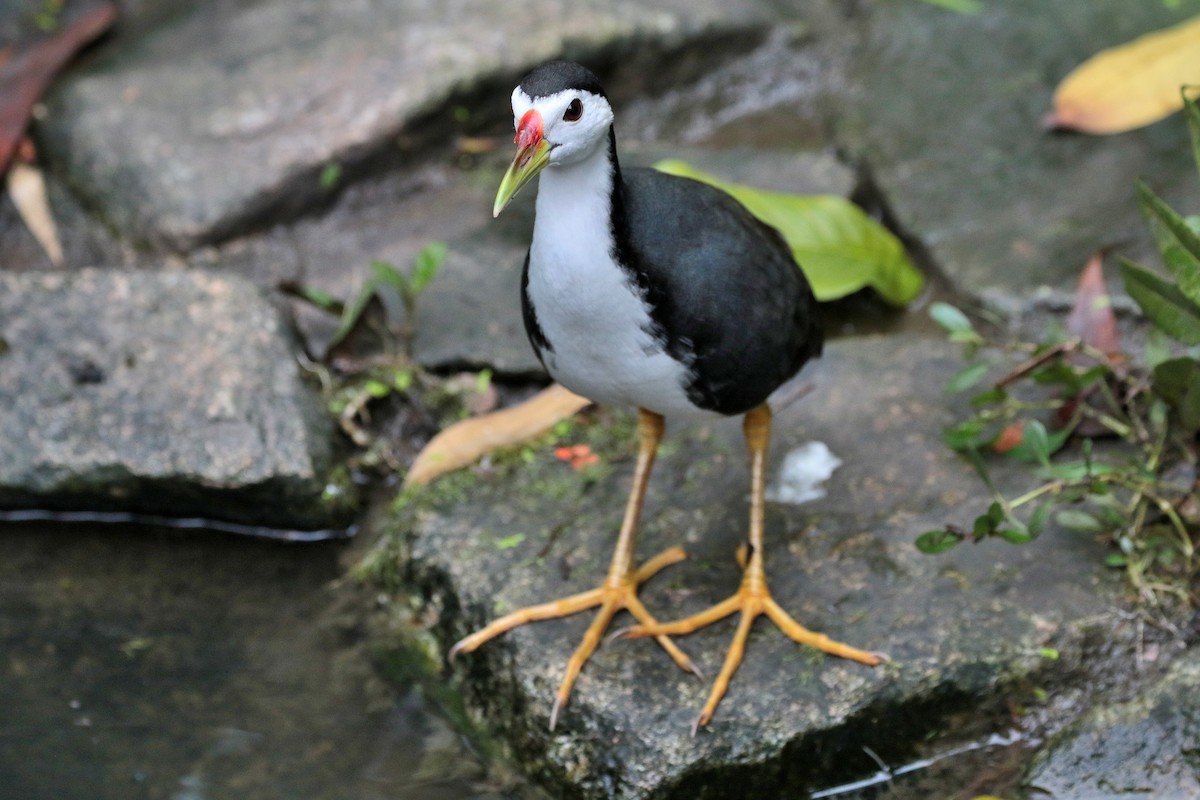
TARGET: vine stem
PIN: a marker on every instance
(1053, 487)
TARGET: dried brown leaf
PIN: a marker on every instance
(1092, 318)
(26, 68)
(465, 442)
(27, 188)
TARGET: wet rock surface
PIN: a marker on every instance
(1146, 747)
(172, 393)
(959, 628)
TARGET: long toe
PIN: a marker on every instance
(613, 596)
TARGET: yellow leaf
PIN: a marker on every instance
(1132, 85)
(464, 442)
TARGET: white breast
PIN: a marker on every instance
(595, 321)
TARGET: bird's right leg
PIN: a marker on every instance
(617, 592)
(753, 597)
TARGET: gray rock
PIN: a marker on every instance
(1144, 748)
(229, 113)
(946, 110)
(960, 627)
(172, 393)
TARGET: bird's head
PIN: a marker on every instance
(561, 115)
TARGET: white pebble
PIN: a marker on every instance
(802, 473)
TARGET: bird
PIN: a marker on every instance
(662, 294)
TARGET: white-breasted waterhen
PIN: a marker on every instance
(662, 293)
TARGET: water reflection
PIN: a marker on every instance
(149, 663)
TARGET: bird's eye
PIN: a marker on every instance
(574, 111)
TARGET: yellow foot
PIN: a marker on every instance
(616, 594)
(752, 599)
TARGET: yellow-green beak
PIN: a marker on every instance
(533, 154)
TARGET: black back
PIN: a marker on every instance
(725, 295)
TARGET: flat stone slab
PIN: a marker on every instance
(174, 393)
(1144, 748)
(946, 110)
(959, 627)
(228, 114)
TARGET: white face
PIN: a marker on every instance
(574, 122)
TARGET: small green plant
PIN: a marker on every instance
(385, 277)
(48, 16)
(1100, 445)
(351, 381)
(1110, 441)
(425, 268)
(961, 6)
(331, 173)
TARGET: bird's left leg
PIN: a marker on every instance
(752, 598)
(619, 590)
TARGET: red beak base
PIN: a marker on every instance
(529, 130)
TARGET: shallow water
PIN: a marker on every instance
(149, 663)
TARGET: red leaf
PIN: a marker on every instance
(1009, 438)
(1092, 318)
(26, 68)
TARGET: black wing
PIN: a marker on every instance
(725, 294)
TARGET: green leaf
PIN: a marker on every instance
(949, 318)
(509, 542)
(319, 298)
(390, 275)
(1015, 536)
(351, 313)
(1070, 378)
(967, 377)
(1076, 520)
(1111, 513)
(1037, 520)
(966, 435)
(988, 397)
(986, 524)
(1177, 381)
(1115, 560)
(961, 6)
(1037, 439)
(402, 379)
(1163, 303)
(839, 247)
(426, 266)
(939, 541)
(1038, 444)
(331, 173)
(1178, 243)
(377, 388)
